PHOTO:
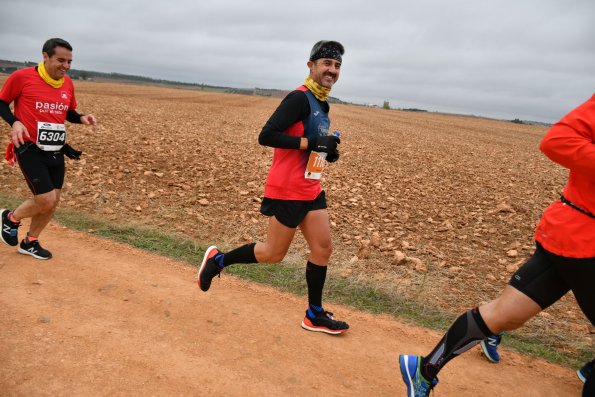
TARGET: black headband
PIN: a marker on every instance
(327, 49)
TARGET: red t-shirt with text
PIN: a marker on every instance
(36, 101)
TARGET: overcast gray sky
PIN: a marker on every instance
(527, 59)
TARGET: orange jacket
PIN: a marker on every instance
(564, 230)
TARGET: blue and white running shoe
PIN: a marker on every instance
(489, 346)
(417, 385)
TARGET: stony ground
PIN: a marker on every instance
(438, 208)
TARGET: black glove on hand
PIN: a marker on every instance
(71, 152)
(333, 156)
(324, 143)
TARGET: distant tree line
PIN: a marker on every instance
(76, 74)
(413, 110)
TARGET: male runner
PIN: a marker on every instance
(564, 259)
(293, 196)
(43, 99)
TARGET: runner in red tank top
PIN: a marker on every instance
(298, 130)
(43, 99)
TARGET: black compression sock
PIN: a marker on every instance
(467, 331)
(243, 254)
(315, 278)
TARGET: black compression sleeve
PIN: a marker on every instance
(293, 108)
(6, 114)
(73, 116)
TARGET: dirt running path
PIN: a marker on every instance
(105, 319)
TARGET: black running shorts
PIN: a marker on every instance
(546, 277)
(43, 171)
(292, 212)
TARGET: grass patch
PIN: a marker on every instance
(364, 296)
(136, 236)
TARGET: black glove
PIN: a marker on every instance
(71, 152)
(333, 156)
(323, 143)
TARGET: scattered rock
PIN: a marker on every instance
(511, 268)
(399, 258)
(512, 253)
(503, 207)
(417, 264)
(544, 314)
(445, 226)
(375, 241)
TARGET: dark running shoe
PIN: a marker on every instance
(323, 322)
(585, 371)
(34, 249)
(10, 230)
(211, 266)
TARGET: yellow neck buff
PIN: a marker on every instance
(47, 78)
(321, 93)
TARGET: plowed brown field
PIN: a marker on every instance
(457, 197)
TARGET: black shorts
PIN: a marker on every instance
(546, 277)
(43, 171)
(292, 212)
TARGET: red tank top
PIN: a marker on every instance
(286, 180)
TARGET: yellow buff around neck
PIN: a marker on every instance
(320, 92)
(47, 78)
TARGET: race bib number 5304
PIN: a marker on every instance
(50, 136)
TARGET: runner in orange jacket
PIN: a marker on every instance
(564, 259)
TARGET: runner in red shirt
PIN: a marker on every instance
(43, 99)
(564, 259)
(293, 196)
